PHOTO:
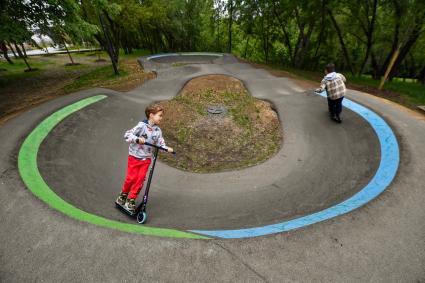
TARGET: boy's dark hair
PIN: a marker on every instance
(153, 109)
(330, 67)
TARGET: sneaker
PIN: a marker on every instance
(130, 205)
(338, 119)
(121, 198)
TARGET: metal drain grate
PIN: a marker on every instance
(216, 110)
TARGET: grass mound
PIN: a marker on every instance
(246, 134)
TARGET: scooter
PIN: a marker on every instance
(140, 212)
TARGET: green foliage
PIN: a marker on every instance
(358, 36)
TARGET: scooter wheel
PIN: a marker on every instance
(141, 217)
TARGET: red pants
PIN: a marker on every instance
(136, 173)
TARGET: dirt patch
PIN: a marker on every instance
(246, 134)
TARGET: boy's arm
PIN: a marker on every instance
(132, 135)
(322, 86)
(161, 142)
(343, 78)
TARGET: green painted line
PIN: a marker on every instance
(28, 169)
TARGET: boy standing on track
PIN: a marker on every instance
(334, 84)
(140, 155)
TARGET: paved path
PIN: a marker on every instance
(382, 241)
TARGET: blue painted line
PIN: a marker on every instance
(162, 55)
(184, 54)
(384, 176)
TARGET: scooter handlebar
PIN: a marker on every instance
(159, 147)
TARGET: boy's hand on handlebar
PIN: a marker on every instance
(170, 149)
(141, 140)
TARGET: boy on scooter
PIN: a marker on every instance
(140, 155)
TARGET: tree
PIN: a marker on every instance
(14, 27)
(409, 25)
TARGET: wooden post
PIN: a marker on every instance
(69, 53)
(390, 66)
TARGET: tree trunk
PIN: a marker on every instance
(369, 35)
(265, 38)
(218, 44)
(146, 38)
(300, 35)
(23, 50)
(114, 35)
(246, 46)
(18, 50)
(4, 50)
(28, 65)
(69, 53)
(390, 66)
(405, 49)
(266, 45)
(286, 38)
(305, 42)
(11, 49)
(322, 28)
(109, 45)
(229, 44)
(23, 57)
(375, 67)
(341, 41)
(421, 77)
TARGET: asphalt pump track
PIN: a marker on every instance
(321, 164)
(324, 171)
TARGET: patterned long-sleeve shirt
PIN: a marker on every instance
(334, 84)
(151, 133)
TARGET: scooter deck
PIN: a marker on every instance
(125, 210)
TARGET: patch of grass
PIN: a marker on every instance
(178, 64)
(122, 56)
(196, 105)
(411, 90)
(95, 78)
(16, 71)
(105, 76)
(130, 76)
(135, 54)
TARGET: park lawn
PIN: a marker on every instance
(11, 74)
(16, 72)
(92, 76)
(20, 90)
(412, 91)
(130, 74)
(96, 77)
